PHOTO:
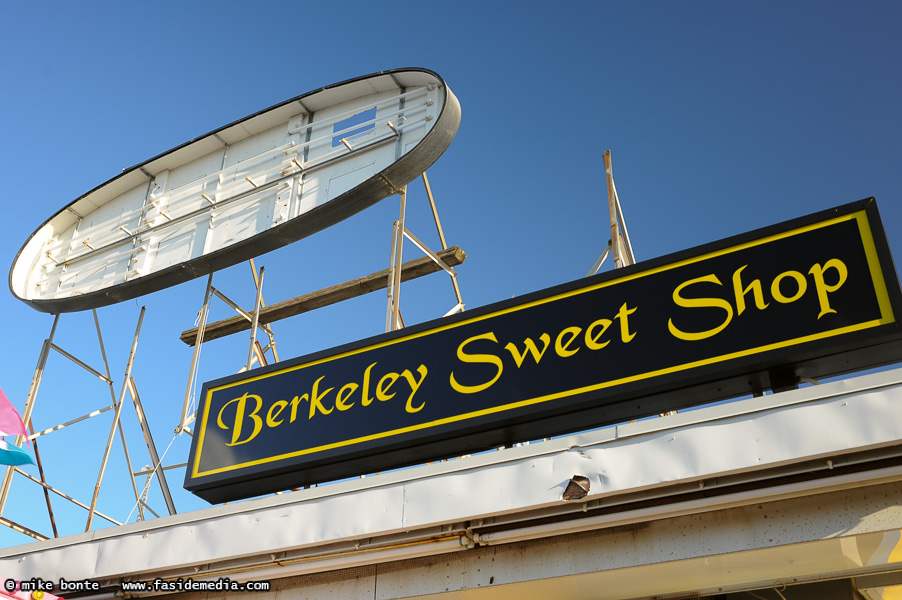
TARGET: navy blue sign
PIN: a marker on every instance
(814, 297)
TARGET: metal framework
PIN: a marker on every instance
(619, 243)
(117, 403)
(257, 352)
(393, 319)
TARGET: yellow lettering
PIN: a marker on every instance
(740, 292)
(340, 397)
(561, 346)
(316, 399)
(366, 400)
(531, 348)
(294, 406)
(278, 407)
(239, 418)
(382, 391)
(699, 303)
(622, 314)
(414, 386)
(801, 284)
(822, 288)
(592, 339)
(479, 358)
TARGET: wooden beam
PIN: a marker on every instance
(413, 269)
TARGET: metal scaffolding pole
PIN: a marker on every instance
(29, 406)
(115, 425)
(619, 245)
(151, 447)
(106, 367)
(441, 236)
(37, 456)
(620, 242)
(256, 319)
(393, 314)
(204, 311)
(267, 329)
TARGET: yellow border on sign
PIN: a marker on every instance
(870, 249)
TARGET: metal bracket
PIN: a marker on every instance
(393, 320)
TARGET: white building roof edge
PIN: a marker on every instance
(841, 417)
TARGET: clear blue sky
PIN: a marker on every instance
(722, 117)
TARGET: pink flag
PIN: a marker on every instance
(10, 421)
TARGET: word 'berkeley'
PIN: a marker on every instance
(319, 401)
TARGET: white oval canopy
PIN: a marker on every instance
(247, 188)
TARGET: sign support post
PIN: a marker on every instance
(812, 297)
(118, 425)
(619, 243)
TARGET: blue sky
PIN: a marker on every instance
(722, 117)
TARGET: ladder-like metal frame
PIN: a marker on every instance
(393, 319)
(117, 403)
(618, 245)
(257, 354)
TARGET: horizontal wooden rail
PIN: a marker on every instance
(413, 269)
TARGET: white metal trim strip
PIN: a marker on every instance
(742, 436)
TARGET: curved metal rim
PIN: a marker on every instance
(317, 219)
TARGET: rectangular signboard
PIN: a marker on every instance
(813, 297)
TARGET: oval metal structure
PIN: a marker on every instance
(247, 188)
